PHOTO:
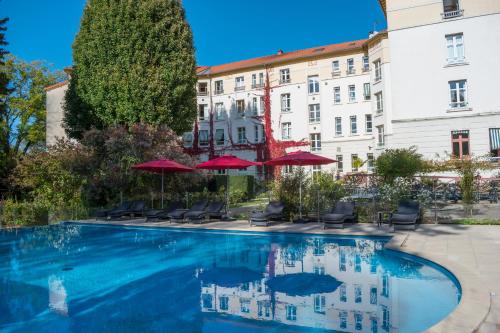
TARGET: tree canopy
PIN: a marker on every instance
(133, 62)
(395, 163)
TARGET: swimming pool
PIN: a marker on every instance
(94, 278)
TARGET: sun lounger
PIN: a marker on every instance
(104, 213)
(341, 213)
(406, 216)
(161, 214)
(178, 214)
(136, 208)
(273, 212)
(214, 209)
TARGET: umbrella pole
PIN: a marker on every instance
(227, 192)
(162, 181)
(300, 199)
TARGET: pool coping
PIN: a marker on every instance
(468, 316)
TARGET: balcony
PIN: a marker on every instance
(219, 91)
(203, 93)
(284, 81)
(257, 85)
(350, 71)
(366, 69)
(239, 88)
(452, 14)
(336, 73)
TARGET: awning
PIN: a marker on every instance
(495, 138)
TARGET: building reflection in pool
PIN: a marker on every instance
(362, 300)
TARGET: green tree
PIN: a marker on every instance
(395, 163)
(23, 118)
(4, 91)
(133, 62)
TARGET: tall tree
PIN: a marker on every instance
(22, 120)
(4, 91)
(133, 62)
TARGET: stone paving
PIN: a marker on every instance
(472, 253)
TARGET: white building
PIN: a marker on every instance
(428, 81)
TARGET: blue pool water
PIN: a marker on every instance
(83, 278)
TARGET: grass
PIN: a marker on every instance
(473, 221)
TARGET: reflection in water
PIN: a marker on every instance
(108, 279)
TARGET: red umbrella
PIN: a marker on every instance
(160, 166)
(226, 162)
(301, 158)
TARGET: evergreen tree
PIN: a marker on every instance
(133, 62)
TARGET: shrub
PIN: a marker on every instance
(22, 213)
(399, 163)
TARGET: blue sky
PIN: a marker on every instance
(224, 30)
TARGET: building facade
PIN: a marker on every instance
(426, 82)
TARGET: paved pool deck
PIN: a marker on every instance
(471, 253)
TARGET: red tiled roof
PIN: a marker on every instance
(57, 85)
(283, 57)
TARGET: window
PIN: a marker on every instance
(315, 141)
(262, 104)
(287, 169)
(285, 102)
(286, 131)
(291, 312)
(350, 66)
(374, 325)
(203, 112)
(495, 142)
(338, 126)
(202, 88)
(219, 87)
(335, 67)
(203, 138)
(357, 258)
(378, 70)
(242, 136)
(342, 261)
(373, 295)
(354, 125)
(219, 111)
(366, 64)
(224, 303)
(367, 91)
(451, 9)
(313, 82)
(370, 162)
(244, 305)
(460, 143)
(358, 321)
(261, 79)
(352, 93)
(285, 75)
(255, 106)
(343, 319)
(207, 301)
(316, 169)
(240, 107)
(219, 137)
(455, 48)
(256, 132)
(340, 163)
(385, 286)
(380, 136)
(380, 102)
(386, 319)
(458, 94)
(239, 83)
(343, 293)
(319, 248)
(254, 80)
(368, 123)
(336, 95)
(314, 113)
(187, 139)
(319, 303)
(354, 162)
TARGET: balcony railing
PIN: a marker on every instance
(452, 13)
(257, 85)
(283, 81)
(366, 69)
(239, 88)
(219, 92)
(203, 93)
(351, 71)
(336, 73)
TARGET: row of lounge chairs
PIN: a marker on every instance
(405, 217)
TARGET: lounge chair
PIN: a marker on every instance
(178, 214)
(104, 213)
(136, 208)
(214, 209)
(341, 213)
(161, 214)
(406, 216)
(273, 212)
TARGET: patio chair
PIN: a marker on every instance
(178, 214)
(161, 214)
(341, 213)
(214, 209)
(136, 208)
(104, 213)
(406, 216)
(272, 212)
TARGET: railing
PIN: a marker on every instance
(380, 144)
(351, 71)
(239, 88)
(257, 85)
(336, 73)
(366, 69)
(452, 13)
(285, 81)
(203, 93)
(219, 92)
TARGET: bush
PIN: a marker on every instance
(324, 191)
(22, 213)
(286, 190)
(399, 163)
